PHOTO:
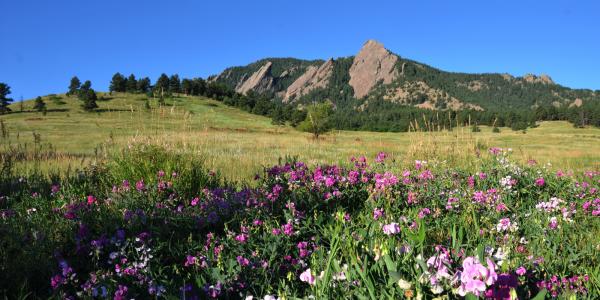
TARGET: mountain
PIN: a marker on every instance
(376, 75)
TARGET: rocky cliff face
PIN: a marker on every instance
(377, 74)
(314, 77)
(260, 81)
(372, 64)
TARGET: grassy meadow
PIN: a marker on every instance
(238, 143)
(167, 207)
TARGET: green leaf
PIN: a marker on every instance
(471, 297)
(541, 295)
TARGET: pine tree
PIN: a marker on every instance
(131, 84)
(39, 104)
(162, 85)
(143, 85)
(118, 83)
(88, 96)
(174, 84)
(74, 86)
(4, 100)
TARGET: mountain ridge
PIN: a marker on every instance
(376, 73)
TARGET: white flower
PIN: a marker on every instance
(403, 284)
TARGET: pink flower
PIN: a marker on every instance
(392, 228)
(553, 223)
(242, 238)
(190, 261)
(540, 181)
(91, 199)
(242, 261)
(329, 181)
(424, 212)
(140, 186)
(307, 277)
(288, 229)
(521, 271)
(380, 157)
(195, 201)
(475, 277)
(378, 213)
(495, 150)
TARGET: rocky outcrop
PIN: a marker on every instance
(543, 78)
(260, 81)
(371, 65)
(314, 77)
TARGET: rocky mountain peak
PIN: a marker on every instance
(372, 64)
(260, 81)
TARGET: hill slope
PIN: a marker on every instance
(376, 74)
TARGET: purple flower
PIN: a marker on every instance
(140, 186)
(380, 157)
(288, 229)
(378, 213)
(392, 228)
(121, 293)
(553, 223)
(190, 261)
(242, 261)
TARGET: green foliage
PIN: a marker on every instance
(4, 100)
(155, 221)
(317, 119)
(39, 104)
(118, 83)
(74, 86)
(88, 96)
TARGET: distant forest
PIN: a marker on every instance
(379, 115)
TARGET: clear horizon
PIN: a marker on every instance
(46, 43)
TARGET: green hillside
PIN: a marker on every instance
(239, 143)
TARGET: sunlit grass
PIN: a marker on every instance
(238, 144)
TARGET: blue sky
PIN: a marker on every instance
(44, 43)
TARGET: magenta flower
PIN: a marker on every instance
(91, 199)
(378, 213)
(140, 186)
(190, 261)
(540, 181)
(392, 228)
(380, 157)
(553, 223)
(424, 212)
(242, 261)
(521, 271)
(329, 181)
(242, 238)
(307, 277)
(288, 229)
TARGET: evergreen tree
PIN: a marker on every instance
(187, 86)
(174, 84)
(162, 85)
(143, 85)
(39, 104)
(4, 100)
(88, 96)
(74, 86)
(131, 86)
(118, 83)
